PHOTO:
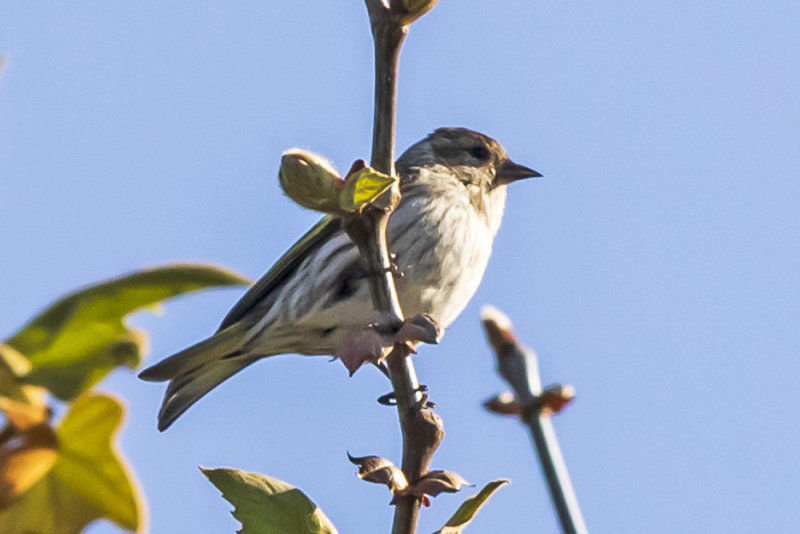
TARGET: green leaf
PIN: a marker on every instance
(12, 363)
(88, 480)
(466, 512)
(266, 505)
(81, 338)
(13, 368)
(364, 187)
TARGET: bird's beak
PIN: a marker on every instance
(509, 172)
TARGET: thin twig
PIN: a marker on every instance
(519, 366)
(422, 430)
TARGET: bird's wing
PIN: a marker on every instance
(283, 268)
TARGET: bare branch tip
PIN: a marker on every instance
(376, 8)
(491, 314)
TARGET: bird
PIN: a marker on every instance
(453, 193)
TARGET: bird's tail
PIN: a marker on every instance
(195, 371)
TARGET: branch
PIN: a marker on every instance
(422, 430)
(520, 368)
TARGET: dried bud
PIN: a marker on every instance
(380, 471)
(555, 398)
(504, 404)
(436, 482)
(358, 346)
(310, 180)
(498, 328)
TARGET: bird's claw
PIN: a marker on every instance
(420, 328)
(392, 268)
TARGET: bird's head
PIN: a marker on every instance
(473, 158)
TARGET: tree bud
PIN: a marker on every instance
(414, 9)
(310, 180)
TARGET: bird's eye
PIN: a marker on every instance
(481, 153)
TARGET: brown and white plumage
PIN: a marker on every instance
(453, 195)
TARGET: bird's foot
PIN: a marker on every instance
(422, 328)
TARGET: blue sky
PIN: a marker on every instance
(656, 266)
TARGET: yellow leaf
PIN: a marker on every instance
(26, 455)
(23, 415)
(27, 442)
(364, 187)
(88, 480)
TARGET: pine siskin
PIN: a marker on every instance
(453, 195)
